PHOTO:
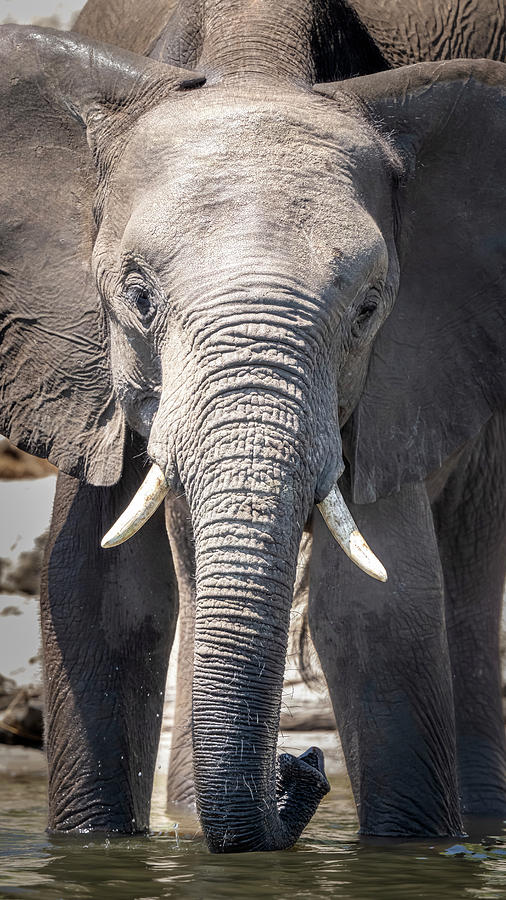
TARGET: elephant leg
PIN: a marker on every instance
(108, 620)
(180, 786)
(384, 653)
(470, 519)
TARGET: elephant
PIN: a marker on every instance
(273, 295)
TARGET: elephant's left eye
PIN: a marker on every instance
(363, 314)
(142, 299)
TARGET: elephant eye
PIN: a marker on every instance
(142, 299)
(363, 314)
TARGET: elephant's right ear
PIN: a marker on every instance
(438, 367)
(56, 396)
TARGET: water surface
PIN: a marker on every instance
(328, 861)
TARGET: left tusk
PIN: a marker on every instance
(340, 523)
(151, 493)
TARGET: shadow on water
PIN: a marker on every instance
(329, 860)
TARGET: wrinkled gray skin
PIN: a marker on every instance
(283, 273)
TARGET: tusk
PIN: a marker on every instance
(336, 514)
(340, 523)
(152, 491)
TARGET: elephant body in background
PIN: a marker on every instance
(262, 287)
(360, 37)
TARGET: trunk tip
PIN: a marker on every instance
(307, 769)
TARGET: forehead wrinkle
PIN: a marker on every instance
(198, 145)
(222, 118)
(207, 168)
(294, 214)
(279, 171)
(370, 258)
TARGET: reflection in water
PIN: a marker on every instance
(329, 860)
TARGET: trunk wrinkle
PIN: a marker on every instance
(245, 576)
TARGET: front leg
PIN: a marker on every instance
(470, 521)
(384, 652)
(108, 619)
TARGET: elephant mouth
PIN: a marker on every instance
(336, 514)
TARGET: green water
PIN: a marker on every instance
(328, 861)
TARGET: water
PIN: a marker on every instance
(328, 861)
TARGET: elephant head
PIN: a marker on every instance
(238, 270)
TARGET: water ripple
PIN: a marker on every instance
(172, 862)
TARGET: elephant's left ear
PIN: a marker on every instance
(438, 369)
(57, 91)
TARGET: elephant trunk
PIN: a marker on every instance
(248, 500)
(256, 441)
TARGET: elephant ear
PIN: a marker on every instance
(438, 367)
(56, 397)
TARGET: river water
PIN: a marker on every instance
(328, 861)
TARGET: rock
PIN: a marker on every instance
(8, 688)
(22, 720)
(16, 463)
(23, 576)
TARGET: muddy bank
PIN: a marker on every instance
(27, 496)
(21, 714)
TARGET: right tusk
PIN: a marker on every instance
(340, 523)
(151, 493)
